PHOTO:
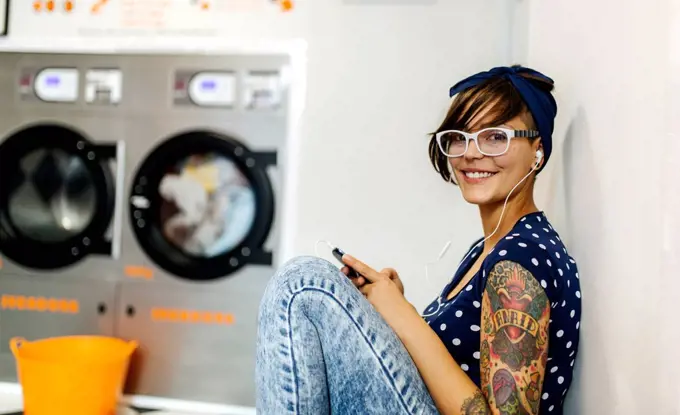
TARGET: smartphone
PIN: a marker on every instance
(338, 253)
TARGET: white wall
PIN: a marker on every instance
(671, 206)
(378, 83)
(378, 80)
(610, 60)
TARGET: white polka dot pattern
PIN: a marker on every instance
(535, 246)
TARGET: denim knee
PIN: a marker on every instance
(305, 268)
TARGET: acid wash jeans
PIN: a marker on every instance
(323, 349)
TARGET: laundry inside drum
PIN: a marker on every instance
(54, 197)
(208, 205)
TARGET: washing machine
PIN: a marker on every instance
(202, 186)
(61, 203)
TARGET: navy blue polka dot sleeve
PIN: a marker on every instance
(536, 246)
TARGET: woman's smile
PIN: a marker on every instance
(477, 176)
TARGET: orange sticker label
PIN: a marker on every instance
(97, 6)
(178, 315)
(134, 271)
(40, 304)
(286, 5)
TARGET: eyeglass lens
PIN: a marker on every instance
(491, 143)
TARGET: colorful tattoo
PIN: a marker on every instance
(485, 368)
(514, 350)
(475, 405)
(518, 302)
(507, 397)
(532, 392)
(487, 324)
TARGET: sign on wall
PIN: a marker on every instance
(391, 2)
(136, 17)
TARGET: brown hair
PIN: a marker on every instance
(497, 93)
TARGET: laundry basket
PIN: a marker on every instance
(72, 375)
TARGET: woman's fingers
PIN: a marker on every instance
(367, 272)
(357, 281)
(390, 272)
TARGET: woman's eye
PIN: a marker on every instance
(496, 137)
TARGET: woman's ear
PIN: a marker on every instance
(540, 156)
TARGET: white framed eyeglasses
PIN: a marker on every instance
(490, 141)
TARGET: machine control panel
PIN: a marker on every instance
(104, 86)
(262, 90)
(49, 85)
(253, 90)
(205, 89)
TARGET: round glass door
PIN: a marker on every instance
(202, 205)
(56, 199)
(56, 196)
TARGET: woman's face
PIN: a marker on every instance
(505, 170)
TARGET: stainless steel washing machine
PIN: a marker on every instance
(202, 189)
(61, 189)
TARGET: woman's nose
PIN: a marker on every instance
(473, 151)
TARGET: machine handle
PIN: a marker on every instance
(15, 344)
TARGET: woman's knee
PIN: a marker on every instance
(306, 268)
(303, 271)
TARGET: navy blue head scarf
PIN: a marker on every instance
(540, 103)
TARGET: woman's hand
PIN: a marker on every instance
(382, 289)
(361, 281)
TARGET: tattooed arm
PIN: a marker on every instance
(512, 356)
(514, 340)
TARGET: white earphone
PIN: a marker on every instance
(539, 157)
(537, 163)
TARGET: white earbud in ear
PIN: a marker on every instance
(539, 157)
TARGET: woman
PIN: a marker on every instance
(502, 336)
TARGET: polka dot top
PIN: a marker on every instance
(536, 246)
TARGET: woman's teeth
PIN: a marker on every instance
(478, 175)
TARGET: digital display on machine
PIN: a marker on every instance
(213, 89)
(208, 85)
(57, 84)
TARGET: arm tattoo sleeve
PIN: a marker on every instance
(475, 405)
(514, 340)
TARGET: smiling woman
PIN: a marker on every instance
(502, 335)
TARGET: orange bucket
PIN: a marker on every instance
(72, 375)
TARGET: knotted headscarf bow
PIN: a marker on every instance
(540, 103)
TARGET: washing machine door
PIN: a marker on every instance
(57, 196)
(202, 205)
